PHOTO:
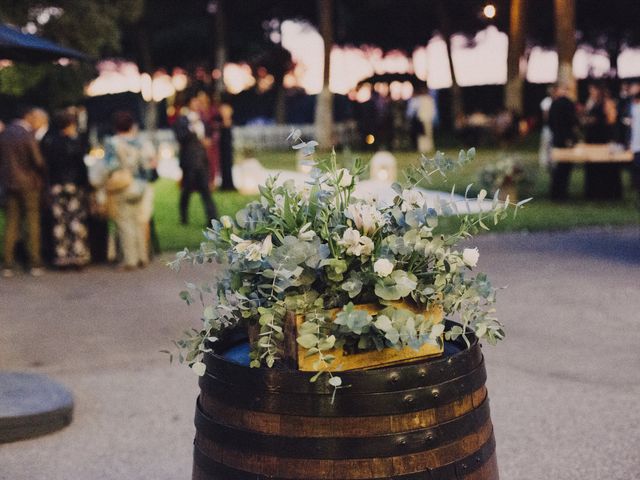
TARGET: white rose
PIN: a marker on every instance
(345, 177)
(470, 256)
(383, 267)
(367, 245)
(226, 221)
(365, 216)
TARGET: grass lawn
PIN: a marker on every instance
(541, 214)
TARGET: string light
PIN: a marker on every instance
(489, 11)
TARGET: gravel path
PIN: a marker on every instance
(564, 386)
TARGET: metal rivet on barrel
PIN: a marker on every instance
(478, 460)
(464, 466)
(435, 392)
(394, 377)
(422, 372)
(429, 437)
(408, 398)
(450, 361)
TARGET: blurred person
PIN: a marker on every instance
(133, 204)
(624, 103)
(226, 144)
(602, 180)
(635, 143)
(599, 116)
(190, 132)
(64, 152)
(563, 122)
(546, 137)
(210, 115)
(22, 173)
(422, 107)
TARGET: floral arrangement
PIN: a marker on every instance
(508, 175)
(317, 249)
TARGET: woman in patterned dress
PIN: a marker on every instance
(64, 152)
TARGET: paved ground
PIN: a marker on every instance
(564, 386)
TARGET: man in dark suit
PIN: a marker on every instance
(190, 133)
(562, 123)
(22, 173)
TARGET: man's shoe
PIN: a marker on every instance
(36, 272)
(7, 273)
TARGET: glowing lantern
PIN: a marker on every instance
(489, 11)
(384, 167)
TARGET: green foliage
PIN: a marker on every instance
(90, 26)
(314, 249)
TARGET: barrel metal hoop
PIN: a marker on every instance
(452, 471)
(340, 448)
(345, 403)
(392, 378)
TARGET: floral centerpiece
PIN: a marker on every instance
(321, 253)
(508, 177)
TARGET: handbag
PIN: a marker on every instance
(119, 180)
(135, 191)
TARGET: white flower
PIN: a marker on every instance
(267, 246)
(278, 203)
(355, 243)
(436, 331)
(226, 221)
(254, 251)
(367, 245)
(305, 234)
(383, 267)
(199, 368)
(345, 177)
(366, 217)
(470, 256)
(351, 240)
(241, 244)
(411, 199)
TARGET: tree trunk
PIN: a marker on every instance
(221, 45)
(324, 102)
(565, 12)
(145, 63)
(457, 105)
(514, 89)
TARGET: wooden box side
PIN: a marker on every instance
(296, 356)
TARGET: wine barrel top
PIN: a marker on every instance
(32, 405)
(394, 389)
(227, 365)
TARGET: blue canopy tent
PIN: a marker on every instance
(23, 47)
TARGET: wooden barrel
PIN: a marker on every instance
(425, 420)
